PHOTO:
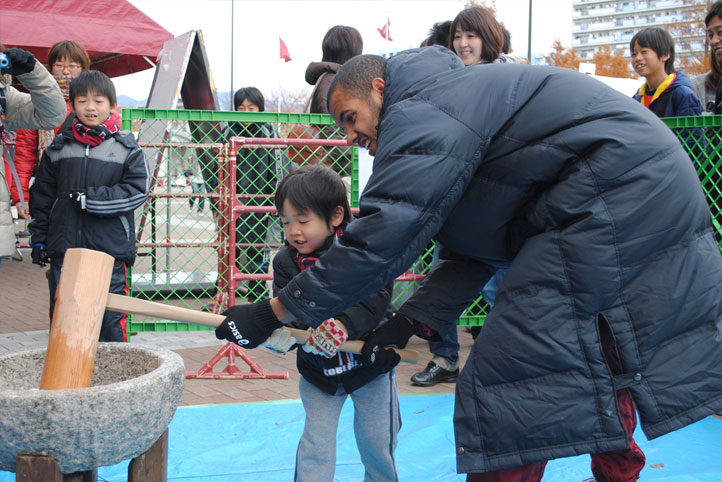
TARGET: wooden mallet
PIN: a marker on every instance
(127, 304)
(77, 318)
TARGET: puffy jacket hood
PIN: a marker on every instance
(412, 70)
(682, 80)
(316, 69)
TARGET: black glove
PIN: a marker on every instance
(78, 199)
(39, 255)
(248, 325)
(394, 333)
(21, 62)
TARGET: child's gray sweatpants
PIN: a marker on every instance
(377, 421)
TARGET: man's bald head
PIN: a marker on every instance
(356, 75)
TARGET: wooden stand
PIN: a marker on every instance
(150, 466)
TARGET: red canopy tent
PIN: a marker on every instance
(119, 38)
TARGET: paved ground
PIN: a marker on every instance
(24, 324)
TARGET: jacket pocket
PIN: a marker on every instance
(109, 235)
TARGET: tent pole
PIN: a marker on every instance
(231, 94)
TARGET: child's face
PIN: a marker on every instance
(92, 108)
(646, 62)
(247, 106)
(307, 231)
(467, 46)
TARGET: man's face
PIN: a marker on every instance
(359, 117)
(714, 37)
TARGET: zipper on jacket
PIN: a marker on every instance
(84, 177)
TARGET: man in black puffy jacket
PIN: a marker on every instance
(613, 296)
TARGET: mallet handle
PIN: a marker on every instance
(135, 306)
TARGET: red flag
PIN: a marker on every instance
(284, 50)
(385, 31)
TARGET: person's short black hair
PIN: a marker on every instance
(439, 34)
(93, 81)
(715, 74)
(252, 94)
(715, 10)
(316, 188)
(657, 39)
(355, 76)
(506, 40)
(340, 44)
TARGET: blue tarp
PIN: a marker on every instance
(257, 442)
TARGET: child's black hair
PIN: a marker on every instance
(93, 81)
(316, 188)
(252, 94)
(657, 39)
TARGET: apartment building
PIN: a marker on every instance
(599, 22)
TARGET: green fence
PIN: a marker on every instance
(702, 138)
(187, 254)
(207, 190)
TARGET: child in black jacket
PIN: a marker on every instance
(314, 210)
(88, 183)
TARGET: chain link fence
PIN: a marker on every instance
(702, 138)
(207, 234)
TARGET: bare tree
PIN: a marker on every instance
(290, 100)
(687, 34)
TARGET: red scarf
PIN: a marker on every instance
(304, 261)
(94, 136)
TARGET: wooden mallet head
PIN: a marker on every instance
(77, 318)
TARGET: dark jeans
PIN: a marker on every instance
(113, 327)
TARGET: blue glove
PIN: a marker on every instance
(39, 255)
(248, 325)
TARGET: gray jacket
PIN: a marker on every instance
(594, 207)
(705, 94)
(43, 108)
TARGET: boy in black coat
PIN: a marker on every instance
(87, 185)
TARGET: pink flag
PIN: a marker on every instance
(385, 31)
(284, 50)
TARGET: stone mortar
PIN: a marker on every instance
(132, 398)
